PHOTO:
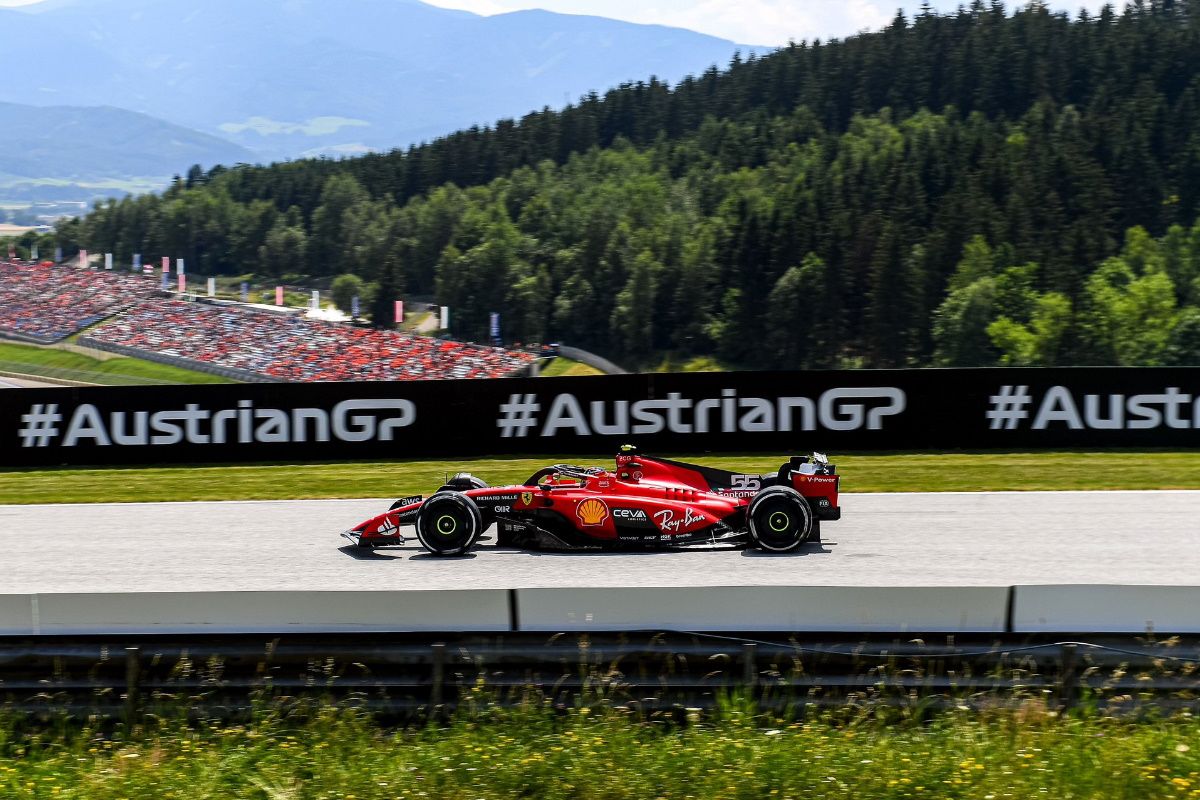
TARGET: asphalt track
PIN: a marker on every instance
(984, 539)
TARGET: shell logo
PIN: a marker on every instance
(592, 512)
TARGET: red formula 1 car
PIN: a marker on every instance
(645, 503)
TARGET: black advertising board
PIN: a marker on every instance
(777, 412)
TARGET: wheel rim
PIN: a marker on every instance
(448, 525)
(780, 526)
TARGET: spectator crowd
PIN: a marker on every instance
(298, 349)
(51, 302)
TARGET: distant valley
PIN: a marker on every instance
(266, 80)
(61, 156)
(89, 144)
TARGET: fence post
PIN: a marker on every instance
(1068, 680)
(439, 674)
(132, 666)
(750, 665)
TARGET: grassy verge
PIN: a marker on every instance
(54, 363)
(590, 753)
(561, 367)
(696, 364)
(860, 473)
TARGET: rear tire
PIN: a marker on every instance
(449, 524)
(779, 519)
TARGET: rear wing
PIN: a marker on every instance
(817, 480)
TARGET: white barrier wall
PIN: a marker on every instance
(16, 615)
(1106, 609)
(1031, 609)
(771, 608)
(261, 612)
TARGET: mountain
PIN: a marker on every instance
(94, 144)
(972, 189)
(63, 157)
(295, 77)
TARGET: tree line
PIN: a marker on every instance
(965, 189)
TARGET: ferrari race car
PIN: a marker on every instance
(646, 502)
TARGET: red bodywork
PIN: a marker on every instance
(644, 501)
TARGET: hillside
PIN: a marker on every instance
(90, 144)
(287, 78)
(975, 188)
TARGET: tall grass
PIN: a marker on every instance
(599, 741)
(595, 750)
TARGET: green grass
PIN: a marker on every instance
(53, 363)
(565, 367)
(695, 364)
(610, 755)
(860, 473)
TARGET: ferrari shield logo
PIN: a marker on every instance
(527, 498)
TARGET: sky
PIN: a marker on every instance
(760, 22)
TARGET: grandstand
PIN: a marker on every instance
(45, 303)
(293, 348)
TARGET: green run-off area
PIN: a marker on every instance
(958, 472)
(50, 362)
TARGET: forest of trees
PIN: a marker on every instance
(986, 187)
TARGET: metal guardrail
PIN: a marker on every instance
(49, 381)
(242, 376)
(27, 338)
(76, 376)
(592, 360)
(89, 352)
(402, 675)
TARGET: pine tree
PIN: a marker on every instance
(383, 308)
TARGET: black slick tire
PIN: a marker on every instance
(779, 519)
(449, 524)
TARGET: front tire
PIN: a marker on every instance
(779, 519)
(449, 524)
